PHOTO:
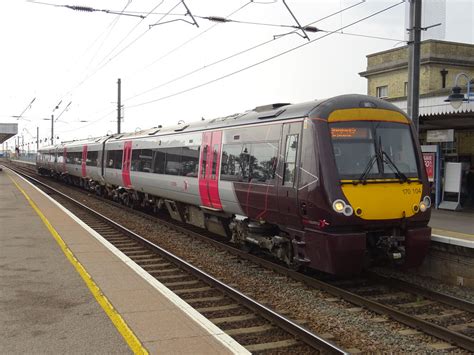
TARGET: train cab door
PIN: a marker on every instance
(126, 161)
(84, 159)
(288, 171)
(209, 170)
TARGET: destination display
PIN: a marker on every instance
(350, 132)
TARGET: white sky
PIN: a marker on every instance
(54, 53)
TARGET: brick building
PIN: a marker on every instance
(440, 63)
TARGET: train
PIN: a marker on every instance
(334, 185)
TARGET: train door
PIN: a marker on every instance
(84, 159)
(126, 160)
(288, 173)
(209, 170)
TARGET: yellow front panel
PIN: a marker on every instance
(367, 114)
(384, 200)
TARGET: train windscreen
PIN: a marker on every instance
(373, 150)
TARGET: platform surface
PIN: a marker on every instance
(47, 307)
(451, 227)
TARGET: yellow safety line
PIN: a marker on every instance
(131, 339)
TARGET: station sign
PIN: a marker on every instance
(440, 135)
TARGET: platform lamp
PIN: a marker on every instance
(456, 98)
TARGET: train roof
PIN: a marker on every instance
(260, 114)
(267, 113)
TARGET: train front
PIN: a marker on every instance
(375, 183)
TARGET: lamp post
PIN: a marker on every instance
(456, 98)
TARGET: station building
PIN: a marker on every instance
(441, 124)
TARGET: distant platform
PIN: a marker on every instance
(8, 130)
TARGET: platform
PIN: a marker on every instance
(66, 289)
(456, 228)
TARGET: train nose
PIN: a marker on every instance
(386, 200)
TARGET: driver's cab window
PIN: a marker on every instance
(291, 149)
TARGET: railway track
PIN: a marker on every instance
(255, 326)
(439, 315)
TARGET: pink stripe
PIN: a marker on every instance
(84, 158)
(126, 160)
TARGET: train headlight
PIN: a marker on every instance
(341, 207)
(423, 206)
(338, 206)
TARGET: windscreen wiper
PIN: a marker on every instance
(363, 177)
(392, 165)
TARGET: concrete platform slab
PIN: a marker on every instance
(150, 311)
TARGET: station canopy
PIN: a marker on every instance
(7, 130)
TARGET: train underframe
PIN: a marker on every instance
(334, 253)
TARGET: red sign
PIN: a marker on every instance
(429, 160)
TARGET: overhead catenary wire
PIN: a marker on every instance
(86, 8)
(20, 116)
(200, 85)
(107, 60)
(265, 60)
(102, 61)
(207, 66)
(175, 49)
(110, 28)
(192, 38)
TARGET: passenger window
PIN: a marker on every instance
(190, 161)
(235, 162)
(173, 161)
(291, 150)
(263, 161)
(159, 161)
(214, 161)
(91, 158)
(118, 159)
(204, 162)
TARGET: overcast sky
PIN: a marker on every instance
(54, 53)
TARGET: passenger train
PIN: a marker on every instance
(332, 185)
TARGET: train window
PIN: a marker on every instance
(73, 158)
(235, 162)
(291, 149)
(78, 158)
(91, 159)
(215, 151)
(69, 158)
(396, 143)
(159, 160)
(190, 161)
(204, 161)
(262, 161)
(118, 159)
(383, 152)
(173, 161)
(114, 159)
(141, 160)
